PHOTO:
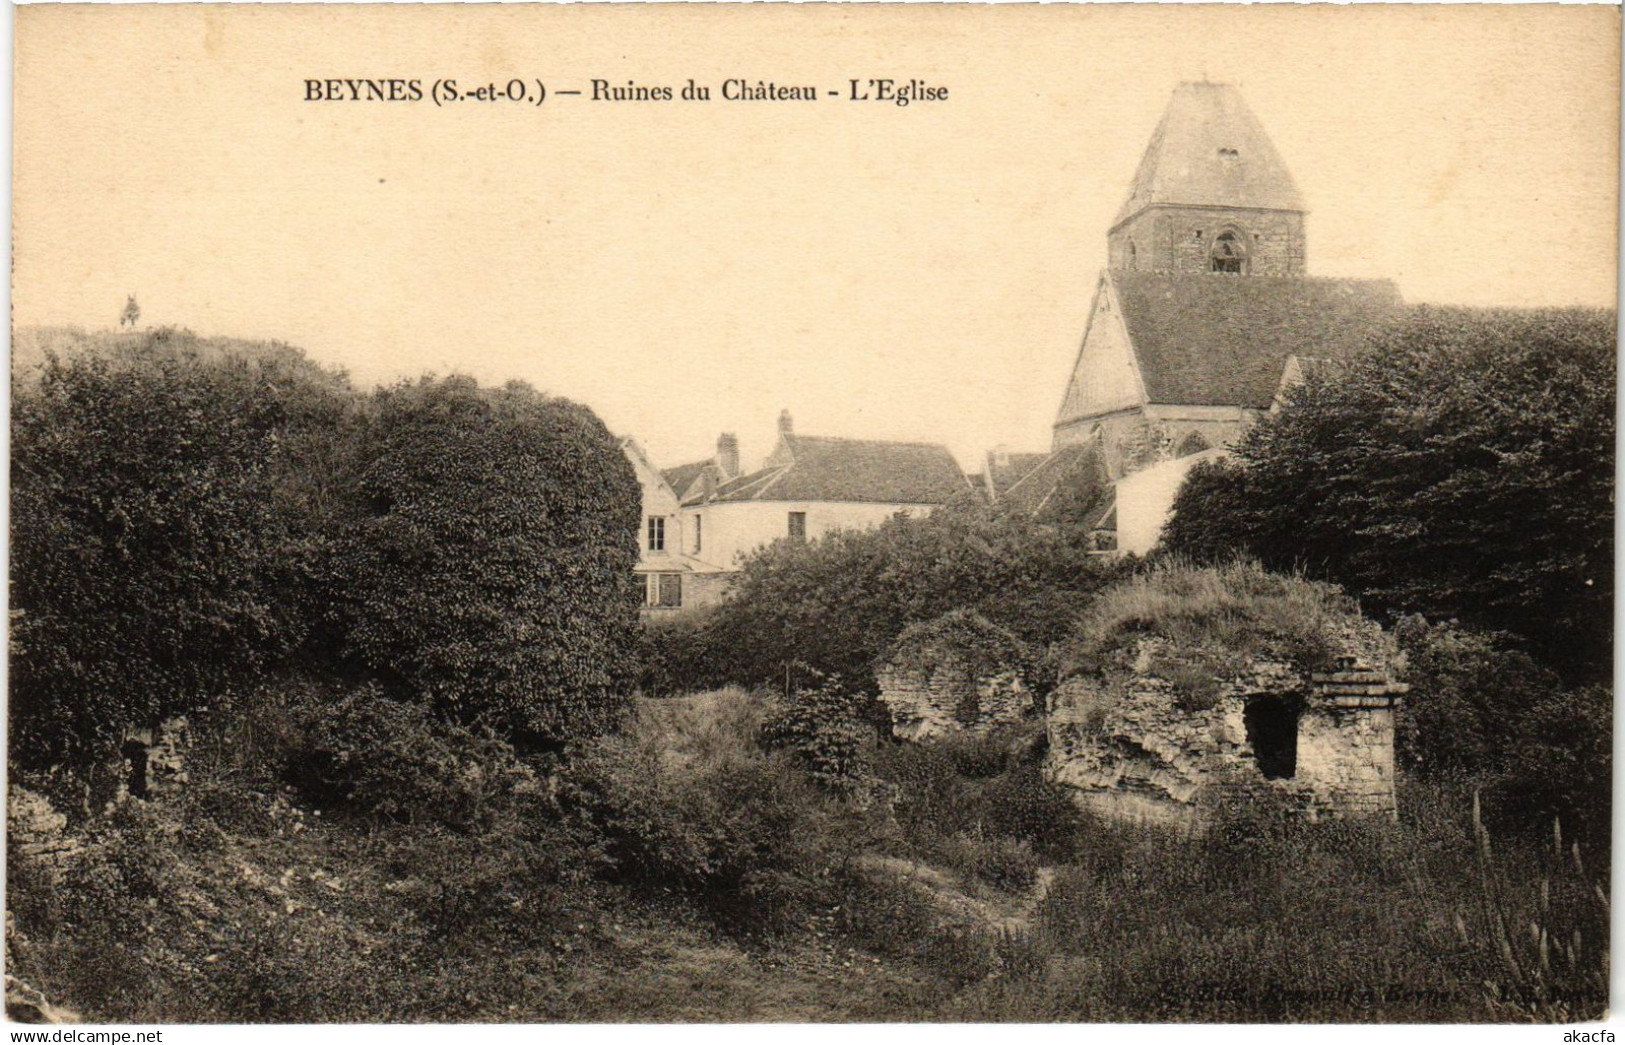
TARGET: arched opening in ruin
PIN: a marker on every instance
(1272, 731)
(135, 756)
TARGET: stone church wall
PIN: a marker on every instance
(1165, 239)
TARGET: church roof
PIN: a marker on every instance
(1224, 340)
(1004, 470)
(1210, 150)
(818, 468)
(1035, 489)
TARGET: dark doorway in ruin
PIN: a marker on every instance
(135, 753)
(1272, 730)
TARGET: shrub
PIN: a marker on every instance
(687, 801)
(490, 571)
(981, 805)
(825, 728)
(394, 760)
(1492, 714)
(1026, 805)
(1464, 437)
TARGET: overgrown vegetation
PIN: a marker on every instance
(836, 605)
(687, 871)
(421, 791)
(1463, 469)
(1461, 473)
(1237, 610)
(189, 516)
(488, 566)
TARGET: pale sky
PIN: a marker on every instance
(688, 268)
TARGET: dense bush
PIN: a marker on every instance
(1462, 469)
(838, 603)
(826, 728)
(1482, 712)
(153, 561)
(490, 570)
(394, 760)
(686, 800)
(980, 804)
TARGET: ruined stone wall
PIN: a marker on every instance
(1149, 742)
(1140, 747)
(1346, 743)
(951, 700)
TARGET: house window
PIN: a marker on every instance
(699, 533)
(657, 533)
(798, 526)
(664, 590)
(1228, 255)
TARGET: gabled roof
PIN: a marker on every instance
(1223, 340)
(635, 453)
(1210, 150)
(682, 476)
(817, 468)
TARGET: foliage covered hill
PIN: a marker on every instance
(190, 516)
(1464, 468)
(1237, 609)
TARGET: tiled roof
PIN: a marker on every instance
(1210, 150)
(682, 476)
(825, 469)
(1223, 340)
(1005, 470)
(1040, 483)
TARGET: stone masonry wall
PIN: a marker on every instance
(949, 700)
(1140, 746)
(1165, 240)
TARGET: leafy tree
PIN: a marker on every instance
(146, 544)
(1463, 468)
(488, 566)
(836, 604)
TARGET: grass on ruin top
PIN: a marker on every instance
(1238, 608)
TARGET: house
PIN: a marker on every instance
(1205, 303)
(662, 567)
(807, 487)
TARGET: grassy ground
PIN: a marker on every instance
(707, 881)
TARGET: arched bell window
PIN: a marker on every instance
(1229, 254)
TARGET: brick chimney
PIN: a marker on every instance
(728, 455)
(786, 426)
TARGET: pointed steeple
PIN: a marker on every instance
(1211, 193)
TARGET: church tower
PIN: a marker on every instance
(1211, 194)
